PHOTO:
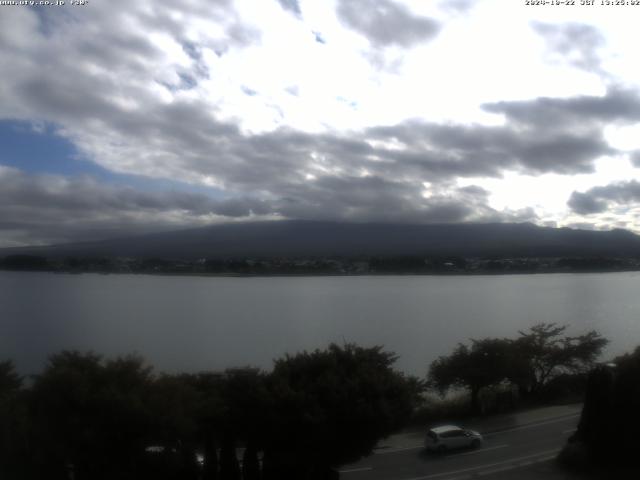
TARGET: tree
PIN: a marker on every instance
(530, 361)
(90, 416)
(246, 401)
(10, 381)
(545, 353)
(13, 421)
(209, 414)
(25, 262)
(332, 406)
(610, 419)
(174, 404)
(484, 363)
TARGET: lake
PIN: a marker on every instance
(197, 323)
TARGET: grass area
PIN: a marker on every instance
(455, 406)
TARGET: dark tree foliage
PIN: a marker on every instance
(173, 401)
(13, 421)
(208, 412)
(250, 463)
(246, 399)
(175, 404)
(10, 381)
(589, 263)
(229, 465)
(545, 353)
(539, 356)
(398, 264)
(484, 363)
(332, 406)
(610, 416)
(85, 417)
(89, 416)
(209, 415)
(625, 404)
(25, 262)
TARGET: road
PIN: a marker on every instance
(502, 451)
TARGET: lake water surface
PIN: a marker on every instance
(197, 323)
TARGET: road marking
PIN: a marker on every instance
(511, 463)
(511, 467)
(532, 425)
(570, 430)
(352, 470)
(480, 450)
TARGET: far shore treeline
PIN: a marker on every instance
(89, 417)
(319, 265)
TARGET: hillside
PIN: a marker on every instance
(304, 238)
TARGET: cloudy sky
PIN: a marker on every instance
(121, 117)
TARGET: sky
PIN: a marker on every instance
(120, 118)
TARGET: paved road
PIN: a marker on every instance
(502, 451)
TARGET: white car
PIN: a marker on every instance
(449, 437)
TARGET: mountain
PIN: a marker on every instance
(307, 238)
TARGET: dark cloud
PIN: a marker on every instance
(86, 196)
(563, 153)
(54, 209)
(475, 191)
(585, 204)
(369, 199)
(386, 23)
(291, 6)
(602, 199)
(462, 150)
(376, 199)
(635, 158)
(112, 51)
(618, 105)
(575, 43)
(51, 208)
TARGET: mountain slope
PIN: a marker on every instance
(304, 238)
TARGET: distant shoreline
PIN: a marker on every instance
(335, 274)
(322, 266)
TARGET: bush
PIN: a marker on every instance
(435, 409)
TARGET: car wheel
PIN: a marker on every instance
(476, 443)
(442, 448)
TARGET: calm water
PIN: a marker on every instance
(195, 323)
